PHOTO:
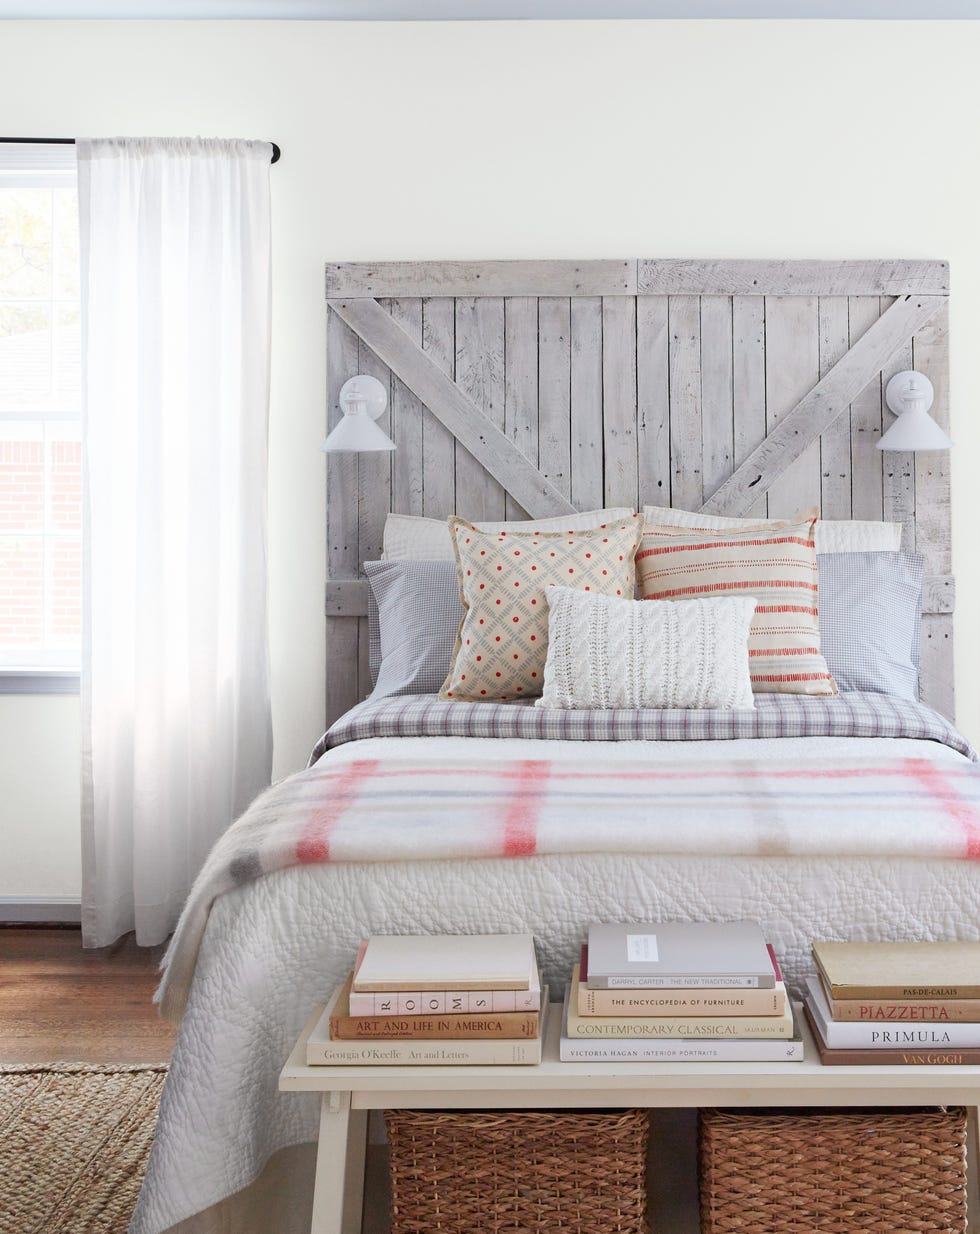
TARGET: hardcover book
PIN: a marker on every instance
(707, 1026)
(679, 955)
(911, 1057)
(324, 1050)
(842, 1034)
(899, 970)
(446, 962)
(432, 1026)
(452, 1002)
(908, 1011)
(678, 1002)
(667, 1050)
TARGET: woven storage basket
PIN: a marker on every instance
(791, 1172)
(518, 1170)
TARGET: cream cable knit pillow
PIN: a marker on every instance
(606, 653)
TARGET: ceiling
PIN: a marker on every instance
(482, 10)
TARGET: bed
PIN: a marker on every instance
(856, 815)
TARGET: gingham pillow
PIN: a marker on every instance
(503, 641)
(777, 566)
(418, 612)
(870, 613)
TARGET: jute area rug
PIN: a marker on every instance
(74, 1140)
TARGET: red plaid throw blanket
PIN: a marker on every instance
(363, 809)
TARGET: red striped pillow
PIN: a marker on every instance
(777, 565)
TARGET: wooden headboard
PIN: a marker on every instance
(533, 388)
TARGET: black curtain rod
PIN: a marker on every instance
(70, 141)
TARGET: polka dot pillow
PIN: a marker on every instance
(503, 639)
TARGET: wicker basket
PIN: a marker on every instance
(791, 1172)
(518, 1170)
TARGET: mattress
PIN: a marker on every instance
(276, 946)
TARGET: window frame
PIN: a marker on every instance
(40, 166)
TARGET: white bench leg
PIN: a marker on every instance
(339, 1184)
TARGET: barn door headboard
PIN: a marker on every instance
(532, 388)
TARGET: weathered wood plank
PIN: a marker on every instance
(406, 421)
(438, 441)
(792, 369)
(343, 689)
(749, 383)
(521, 384)
(480, 375)
(346, 597)
(938, 593)
(791, 278)
(717, 392)
(349, 597)
(866, 471)
(822, 405)
(835, 442)
(586, 408)
(930, 355)
(684, 325)
(452, 408)
(373, 469)
(370, 280)
(653, 400)
(621, 476)
(555, 391)
(897, 466)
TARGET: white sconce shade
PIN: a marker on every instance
(363, 399)
(909, 395)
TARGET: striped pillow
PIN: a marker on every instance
(777, 565)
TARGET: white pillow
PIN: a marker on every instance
(410, 538)
(832, 536)
(604, 652)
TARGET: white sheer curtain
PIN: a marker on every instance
(177, 735)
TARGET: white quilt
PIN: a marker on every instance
(277, 946)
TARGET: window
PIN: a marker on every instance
(40, 413)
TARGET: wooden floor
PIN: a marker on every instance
(60, 1003)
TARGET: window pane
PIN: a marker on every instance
(65, 282)
(25, 356)
(67, 365)
(25, 243)
(21, 591)
(64, 449)
(64, 591)
(21, 478)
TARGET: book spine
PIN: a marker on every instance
(899, 1058)
(574, 1050)
(695, 1028)
(949, 1010)
(508, 1025)
(444, 1002)
(852, 993)
(734, 1003)
(421, 1053)
(839, 1034)
(681, 981)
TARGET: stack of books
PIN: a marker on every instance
(435, 1000)
(678, 991)
(902, 1004)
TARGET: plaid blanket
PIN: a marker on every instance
(776, 715)
(361, 809)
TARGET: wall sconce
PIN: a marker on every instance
(909, 395)
(363, 399)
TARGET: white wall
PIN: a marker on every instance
(515, 139)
